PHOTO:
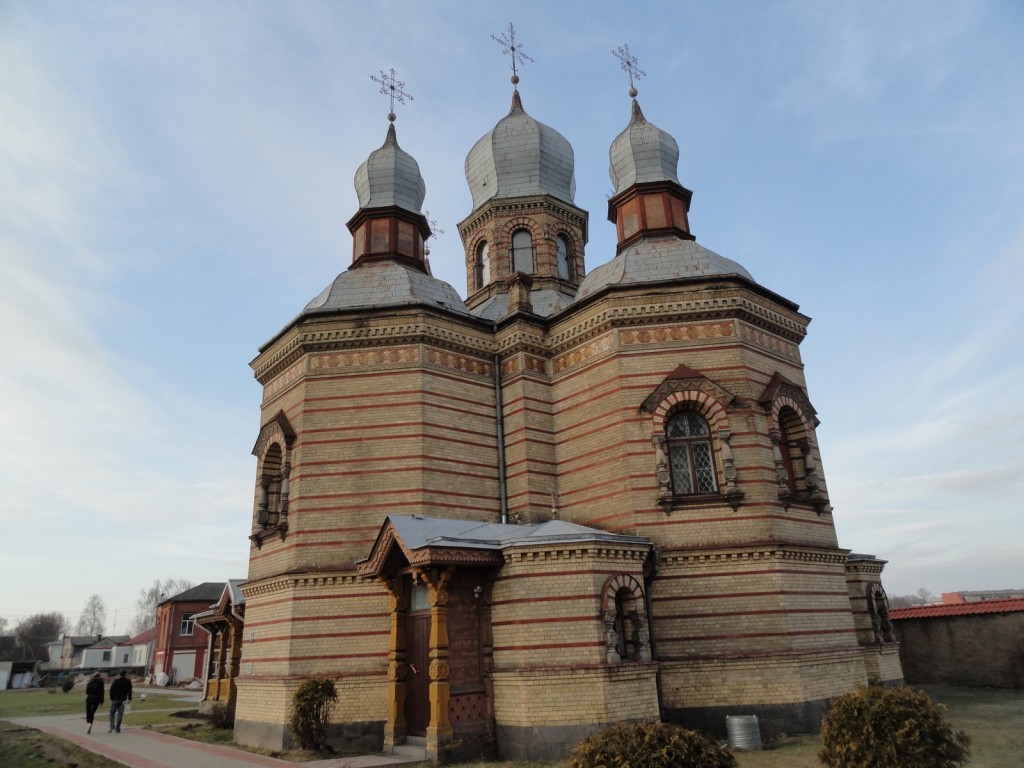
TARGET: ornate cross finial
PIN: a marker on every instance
(508, 45)
(630, 66)
(390, 85)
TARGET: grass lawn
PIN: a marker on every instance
(38, 702)
(994, 719)
(28, 748)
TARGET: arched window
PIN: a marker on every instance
(786, 449)
(522, 252)
(563, 258)
(270, 487)
(482, 265)
(690, 456)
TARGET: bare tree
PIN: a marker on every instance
(93, 618)
(149, 598)
(37, 631)
(3, 625)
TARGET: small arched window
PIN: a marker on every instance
(269, 507)
(482, 265)
(522, 252)
(786, 449)
(563, 258)
(690, 456)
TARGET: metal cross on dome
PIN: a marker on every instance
(508, 45)
(390, 85)
(630, 65)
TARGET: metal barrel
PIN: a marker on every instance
(743, 731)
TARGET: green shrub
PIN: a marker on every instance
(649, 745)
(875, 727)
(67, 683)
(220, 717)
(312, 706)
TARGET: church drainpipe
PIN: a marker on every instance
(650, 633)
(499, 418)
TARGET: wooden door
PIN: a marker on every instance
(417, 690)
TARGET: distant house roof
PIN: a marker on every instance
(141, 638)
(957, 609)
(110, 641)
(83, 641)
(208, 592)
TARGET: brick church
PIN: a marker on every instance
(570, 499)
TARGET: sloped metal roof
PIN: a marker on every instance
(418, 532)
(657, 259)
(384, 284)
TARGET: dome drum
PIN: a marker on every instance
(652, 208)
(391, 232)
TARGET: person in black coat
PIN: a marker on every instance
(93, 698)
(120, 692)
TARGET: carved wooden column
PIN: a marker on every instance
(395, 729)
(439, 731)
(222, 662)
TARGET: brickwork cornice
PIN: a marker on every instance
(522, 206)
(767, 551)
(633, 552)
(292, 581)
(364, 331)
(628, 311)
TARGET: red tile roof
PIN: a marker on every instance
(958, 609)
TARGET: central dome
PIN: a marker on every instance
(518, 157)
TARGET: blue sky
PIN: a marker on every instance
(175, 180)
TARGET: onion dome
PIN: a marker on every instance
(518, 157)
(642, 153)
(390, 177)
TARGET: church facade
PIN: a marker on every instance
(570, 499)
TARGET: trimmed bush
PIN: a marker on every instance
(649, 745)
(67, 683)
(875, 727)
(312, 706)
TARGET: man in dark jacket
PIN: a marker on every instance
(93, 698)
(120, 692)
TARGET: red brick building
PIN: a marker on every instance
(181, 645)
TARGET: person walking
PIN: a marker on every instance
(93, 698)
(120, 692)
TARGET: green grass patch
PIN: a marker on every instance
(39, 702)
(29, 748)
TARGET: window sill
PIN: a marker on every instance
(261, 536)
(669, 503)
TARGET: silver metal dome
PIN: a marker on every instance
(641, 153)
(390, 176)
(520, 156)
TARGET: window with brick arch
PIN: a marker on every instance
(625, 617)
(789, 437)
(690, 455)
(564, 270)
(522, 252)
(482, 265)
(270, 487)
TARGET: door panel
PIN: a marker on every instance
(417, 691)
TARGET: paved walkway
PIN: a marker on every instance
(144, 748)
